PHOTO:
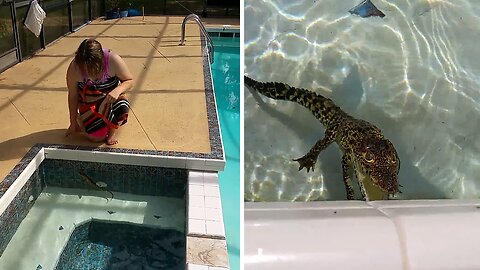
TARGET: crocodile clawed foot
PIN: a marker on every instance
(306, 162)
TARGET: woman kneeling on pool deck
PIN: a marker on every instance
(97, 80)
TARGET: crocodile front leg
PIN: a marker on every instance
(362, 189)
(347, 169)
(308, 161)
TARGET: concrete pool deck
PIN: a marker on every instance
(168, 106)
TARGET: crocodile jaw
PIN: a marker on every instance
(371, 191)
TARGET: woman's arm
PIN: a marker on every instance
(119, 68)
(72, 98)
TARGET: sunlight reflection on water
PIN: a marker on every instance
(413, 73)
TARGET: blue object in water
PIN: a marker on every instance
(366, 9)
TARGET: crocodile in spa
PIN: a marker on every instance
(89, 182)
(366, 151)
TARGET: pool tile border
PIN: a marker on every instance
(230, 31)
(215, 134)
(224, 32)
(205, 217)
(123, 178)
(67, 152)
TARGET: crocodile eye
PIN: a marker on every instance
(368, 157)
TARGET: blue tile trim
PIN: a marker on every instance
(141, 180)
(213, 123)
(230, 33)
(78, 237)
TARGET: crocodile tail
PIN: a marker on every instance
(282, 91)
(323, 108)
(273, 90)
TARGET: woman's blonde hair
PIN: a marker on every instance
(89, 56)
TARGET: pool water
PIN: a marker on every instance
(412, 73)
(226, 79)
(58, 213)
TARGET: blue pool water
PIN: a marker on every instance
(226, 80)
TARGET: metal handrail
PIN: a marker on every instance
(195, 18)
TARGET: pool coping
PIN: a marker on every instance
(205, 232)
(227, 31)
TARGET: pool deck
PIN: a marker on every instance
(168, 105)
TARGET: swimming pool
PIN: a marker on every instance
(70, 216)
(226, 79)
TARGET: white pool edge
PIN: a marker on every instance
(137, 159)
(224, 28)
(205, 220)
(422, 234)
(15, 188)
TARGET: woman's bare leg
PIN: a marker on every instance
(90, 138)
(111, 137)
(96, 139)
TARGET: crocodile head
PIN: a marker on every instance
(378, 159)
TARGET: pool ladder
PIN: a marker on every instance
(194, 17)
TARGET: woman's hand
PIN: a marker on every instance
(73, 128)
(112, 96)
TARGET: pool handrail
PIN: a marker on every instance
(195, 18)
